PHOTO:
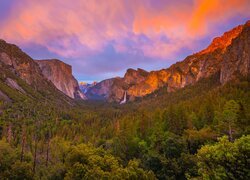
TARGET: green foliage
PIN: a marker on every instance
(86, 162)
(20, 170)
(196, 138)
(175, 119)
(10, 165)
(155, 137)
(228, 119)
(164, 155)
(225, 160)
(7, 157)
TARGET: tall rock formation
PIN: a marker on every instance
(236, 60)
(21, 78)
(60, 74)
(45, 76)
(228, 54)
(13, 61)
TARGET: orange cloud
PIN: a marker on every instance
(215, 11)
(93, 24)
(185, 22)
(170, 20)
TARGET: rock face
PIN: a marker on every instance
(4, 97)
(21, 78)
(60, 74)
(13, 84)
(236, 61)
(44, 76)
(14, 62)
(101, 90)
(14, 59)
(228, 54)
(133, 77)
(113, 89)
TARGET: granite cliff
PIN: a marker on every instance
(236, 61)
(60, 74)
(46, 76)
(227, 55)
(21, 78)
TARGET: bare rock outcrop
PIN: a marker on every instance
(236, 60)
(60, 74)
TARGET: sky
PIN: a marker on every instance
(103, 38)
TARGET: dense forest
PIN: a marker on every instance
(198, 132)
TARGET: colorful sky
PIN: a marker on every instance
(103, 38)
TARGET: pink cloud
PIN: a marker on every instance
(92, 22)
(79, 28)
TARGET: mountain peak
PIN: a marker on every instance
(133, 76)
(247, 23)
(223, 41)
(57, 63)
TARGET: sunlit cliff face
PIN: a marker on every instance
(102, 39)
(224, 41)
(229, 50)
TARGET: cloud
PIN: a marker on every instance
(184, 21)
(207, 12)
(92, 22)
(108, 36)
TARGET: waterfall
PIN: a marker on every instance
(124, 98)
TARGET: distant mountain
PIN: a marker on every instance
(102, 90)
(22, 77)
(84, 87)
(227, 55)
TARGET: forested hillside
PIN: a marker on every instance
(201, 131)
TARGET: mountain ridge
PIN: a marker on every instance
(18, 70)
(200, 65)
(227, 54)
